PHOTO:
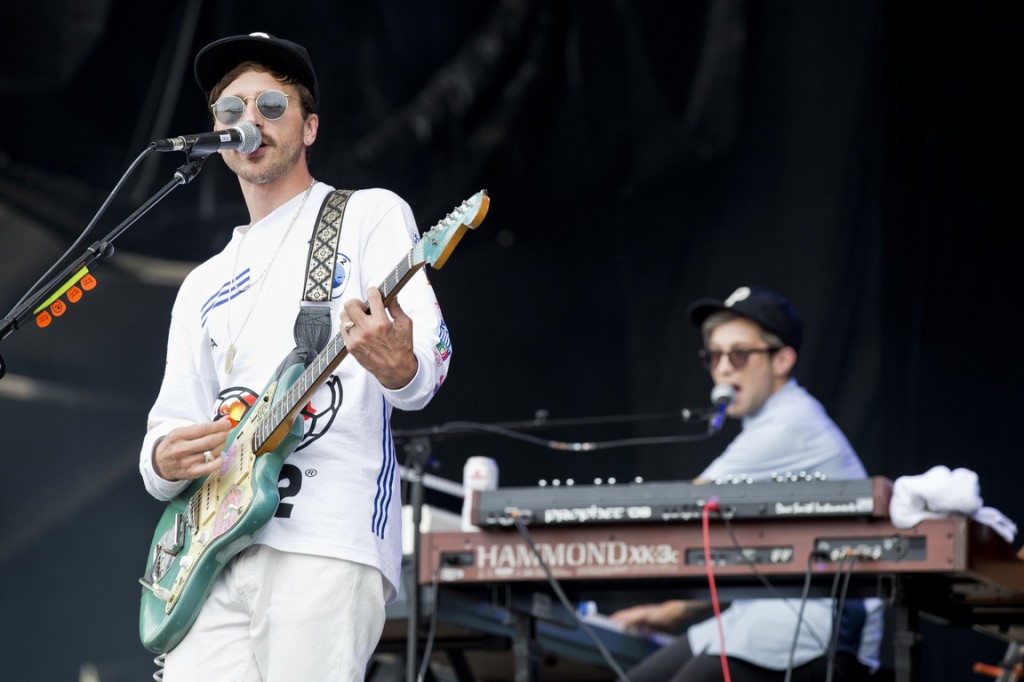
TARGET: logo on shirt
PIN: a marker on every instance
(341, 263)
(443, 349)
(235, 286)
(318, 419)
(235, 402)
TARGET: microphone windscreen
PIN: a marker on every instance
(723, 394)
(251, 137)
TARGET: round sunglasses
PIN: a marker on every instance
(737, 357)
(271, 104)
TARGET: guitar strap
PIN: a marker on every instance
(313, 324)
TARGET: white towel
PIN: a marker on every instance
(939, 492)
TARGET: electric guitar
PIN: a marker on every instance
(219, 515)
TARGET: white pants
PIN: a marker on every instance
(280, 617)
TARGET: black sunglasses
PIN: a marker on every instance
(737, 357)
(271, 104)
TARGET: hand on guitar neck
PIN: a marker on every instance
(380, 342)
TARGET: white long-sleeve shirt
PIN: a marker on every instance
(340, 487)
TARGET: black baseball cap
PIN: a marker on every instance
(283, 56)
(765, 307)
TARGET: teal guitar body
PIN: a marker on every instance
(211, 521)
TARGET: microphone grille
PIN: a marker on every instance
(251, 137)
(723, 393)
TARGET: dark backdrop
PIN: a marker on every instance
(858, 156)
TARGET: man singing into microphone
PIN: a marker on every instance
(751, 342)
(304, 601)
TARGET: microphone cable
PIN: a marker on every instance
(573, 446)
(85, 233)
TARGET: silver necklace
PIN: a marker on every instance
(229, 358)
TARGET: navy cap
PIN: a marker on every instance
(763, 306)
(283, 56)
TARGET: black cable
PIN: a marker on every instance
(573, 446)
(800, 617)
(771, 588)
(425, 663)
(612, 663)
(837, 616)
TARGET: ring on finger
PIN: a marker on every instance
(208, 456)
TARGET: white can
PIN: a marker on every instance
(480, 473)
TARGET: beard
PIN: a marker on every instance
(277, 158)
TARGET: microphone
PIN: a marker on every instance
(245, 138)
(722, 396)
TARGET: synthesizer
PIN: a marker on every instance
(672, 501)
(950, 546)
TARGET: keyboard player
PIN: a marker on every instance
(751, 343)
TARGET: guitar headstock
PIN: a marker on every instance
(438, 243)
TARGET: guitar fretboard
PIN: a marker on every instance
(285, 410)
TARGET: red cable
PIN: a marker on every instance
(712, 505)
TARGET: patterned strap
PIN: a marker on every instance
(324, 247)
(312, 327)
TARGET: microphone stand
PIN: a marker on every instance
(418, 451)
(103, 248)
(541, 421)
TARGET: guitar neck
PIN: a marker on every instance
(284, 412)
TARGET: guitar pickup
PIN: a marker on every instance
(174, 539)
